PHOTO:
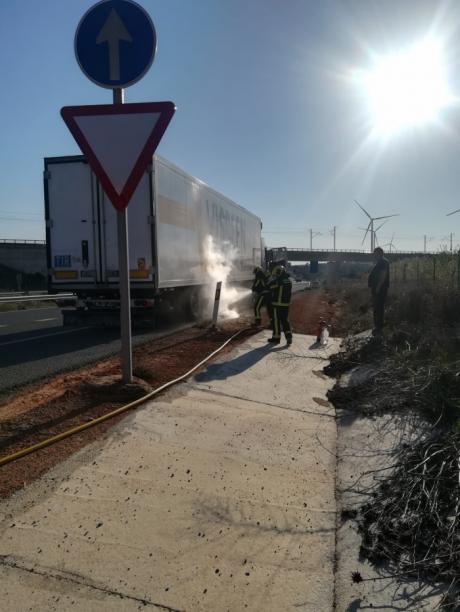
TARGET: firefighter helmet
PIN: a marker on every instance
(278, 270)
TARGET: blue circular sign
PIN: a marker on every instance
(115, 43)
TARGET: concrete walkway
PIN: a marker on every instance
(218, 496)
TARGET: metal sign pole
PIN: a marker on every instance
(116, 66)
(123, 268)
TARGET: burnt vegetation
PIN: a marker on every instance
(410, 521)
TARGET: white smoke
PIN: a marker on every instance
(219, 260)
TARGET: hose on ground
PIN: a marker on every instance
(109, 415)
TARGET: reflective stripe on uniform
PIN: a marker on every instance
(259, 305)
(276, 325)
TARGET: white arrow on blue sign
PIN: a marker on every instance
(115, 43)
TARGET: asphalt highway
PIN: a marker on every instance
(35, 345)
(16, 321)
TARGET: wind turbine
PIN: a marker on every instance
(371, 224)
(366, 229)
(390, 244)
(376, 230)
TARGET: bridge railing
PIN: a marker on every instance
(364, 252)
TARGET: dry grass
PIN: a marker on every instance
(411, 522)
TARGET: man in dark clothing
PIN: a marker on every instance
(281, 288)
(379, 281)
(261, 294)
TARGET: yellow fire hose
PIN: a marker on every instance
(109, 415)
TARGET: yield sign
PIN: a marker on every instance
(118, 141)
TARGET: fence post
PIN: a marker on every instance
(434, 268)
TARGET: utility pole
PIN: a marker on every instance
(426, 240)
(333, 232)
(312, 235)
(451, 234)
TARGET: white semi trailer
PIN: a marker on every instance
(170, 219)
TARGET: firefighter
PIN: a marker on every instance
(281, 288)
(261, 294)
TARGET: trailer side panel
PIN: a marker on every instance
(188, 212)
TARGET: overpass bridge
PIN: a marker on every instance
(337, 255)
(29, 256)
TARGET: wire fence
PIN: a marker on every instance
(442, 268)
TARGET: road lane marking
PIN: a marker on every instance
(44, 336)
(3, 325)
(49, 319)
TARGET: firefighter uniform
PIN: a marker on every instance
(281, 289)
(261, 294)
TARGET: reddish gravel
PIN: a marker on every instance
(71, 399)
(308, 307)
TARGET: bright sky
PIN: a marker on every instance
(282, 106)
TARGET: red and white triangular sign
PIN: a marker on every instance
(118, 141)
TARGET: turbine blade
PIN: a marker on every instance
(364, 211)
(453, 212)
(381, 225)
(386, 217)
(366, 232)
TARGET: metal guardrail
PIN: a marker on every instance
(18, 241)
(37, 298)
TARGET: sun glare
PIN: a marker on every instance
(408, 88)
